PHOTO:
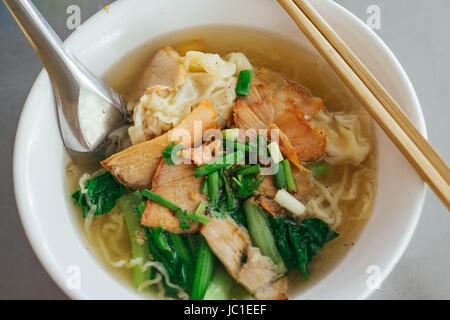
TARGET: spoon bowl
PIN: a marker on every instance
(88, 109)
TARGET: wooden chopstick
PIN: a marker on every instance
(381, 106)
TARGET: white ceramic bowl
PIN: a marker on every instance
(106, 38)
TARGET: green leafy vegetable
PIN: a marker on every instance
(238, 216)
(170, 153)
(165, 251)
(192, 240)
(102, 191)
(298, 244)
(319, 168)
(187, 263)
(245, 186)
(280, 230)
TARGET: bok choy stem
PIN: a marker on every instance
(261, 233)
(204, 268)
(220, 285)
(139, 244)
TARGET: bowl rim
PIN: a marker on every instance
(45, 257)
(421, 126)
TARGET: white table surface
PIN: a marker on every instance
(417, 31)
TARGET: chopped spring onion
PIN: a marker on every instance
(248, 169)
(228, 160)
(275, 152)
(289, 177)
(261, 234)
(244, 147)
(244, 82)
(231, 200)
(161, 200)
(279, 177)
(286, 200)
(231, 134)
(319, 168)
(204, 187)
(181, 214)
(204, 268)
(213, 187)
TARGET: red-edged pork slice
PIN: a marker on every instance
(286, 146)
(244, 118)
(135, 166)
(259, 101)
(178, 185)
(308, 140)
(292, 95)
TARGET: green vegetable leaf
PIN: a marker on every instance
(182, 217)
(298, 244)
(102, 191)
(280, 229)
(165, 251)
(319, 169)
(245, 186)
(238, 216)
(170, 153)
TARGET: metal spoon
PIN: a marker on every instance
(88, 109)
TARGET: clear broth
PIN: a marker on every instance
(298, 63)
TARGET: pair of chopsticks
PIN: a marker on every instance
(373, 96)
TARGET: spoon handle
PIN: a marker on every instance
(40, 34)
(88, 109)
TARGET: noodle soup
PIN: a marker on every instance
(342, 198)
